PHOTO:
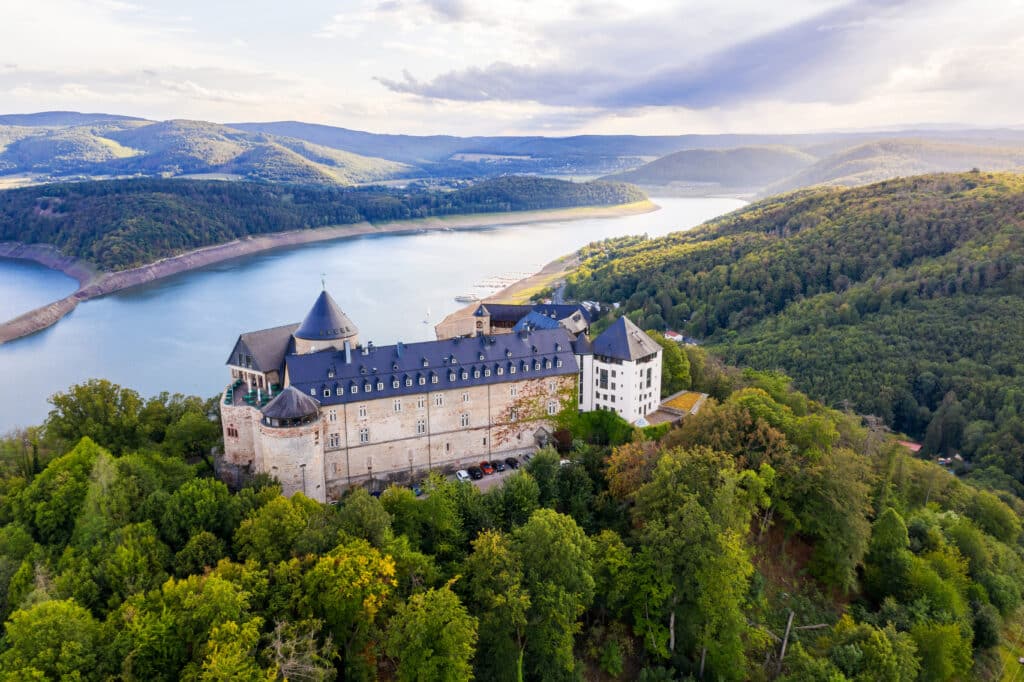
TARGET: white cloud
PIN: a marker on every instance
(548, 66)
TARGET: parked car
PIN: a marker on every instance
(498, 465)
(512, 463)
(416, 490)
(527, 457)
(564, 462)
(475, 473)
(486, 468)
(462, 476)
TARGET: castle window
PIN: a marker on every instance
(508, 353)
(367, 388)
(423, 380)
(312, 391)
(536, 364)
(547, 364)
(513, 414)
(426, 363)
(501, 370)
(232, 431)
(433, 378)
(465, 375)
(364, 435)
(464, 419)
(332, 415)
(558, 362)
(465, 397)
(421, 402)
(362, 411)
(480, 356)
(316, 437)
(649, 377)
(327, 393)
(526, 367)
(333, 441)
(394, 384)
(476, 374)
(513, 391)
(487, 371)
(380, 385)
(355, 389)
(512, 369)
(552, 407)
(451, 376)
(408, 382)
(551, 385)
(439, 400)
(421, 426)
(398, 405)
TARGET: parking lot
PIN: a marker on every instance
(491, 480)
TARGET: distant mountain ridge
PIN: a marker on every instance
(60, 145)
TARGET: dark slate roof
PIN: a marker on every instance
(560, 311)
(442, 365)
(267, 347)
(325, 321)
(582, 345)
(291, 404)
(624, 341)
(534, 320)
(503, 312)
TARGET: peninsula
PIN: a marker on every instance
(97, 256)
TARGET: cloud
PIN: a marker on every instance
(801, 60)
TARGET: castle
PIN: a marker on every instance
(320, 411)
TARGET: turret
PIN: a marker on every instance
(325, 327)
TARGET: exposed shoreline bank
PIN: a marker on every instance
(93, 283)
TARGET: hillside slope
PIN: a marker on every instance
(111, 146)
(887, 159)
(743, 168)
(119, 224)
(902, 299)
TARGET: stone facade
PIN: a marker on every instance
(376, 441)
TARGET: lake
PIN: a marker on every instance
(175, 335)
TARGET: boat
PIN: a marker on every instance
(426, 320)
(467, 298)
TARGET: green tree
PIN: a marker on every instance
(58, 639)
(363, 516)
(433, 637)
(557, 572)
(200, 504)
(943, 651)
(230, 654)
(675, 365)
(99, 410)
(494, 590)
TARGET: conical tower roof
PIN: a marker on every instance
(325, 321)
(291, 403)
(625, 341)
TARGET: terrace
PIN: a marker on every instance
(238, 394)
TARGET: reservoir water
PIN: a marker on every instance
(175, 335)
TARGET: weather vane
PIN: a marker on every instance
(323, 280)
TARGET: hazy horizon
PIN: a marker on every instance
(526, 68)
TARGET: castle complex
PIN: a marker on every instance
(320, 411)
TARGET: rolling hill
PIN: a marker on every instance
(886, 159)
(903, 299)
(103, 147)
(703, 171)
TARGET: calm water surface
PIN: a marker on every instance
(175, 335)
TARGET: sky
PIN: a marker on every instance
(536, 67)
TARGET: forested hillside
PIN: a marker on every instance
(901, 299)
(710, 170)
(657, 560)
(125, 223)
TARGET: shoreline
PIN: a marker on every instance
(94, 283)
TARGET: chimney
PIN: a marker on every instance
(348, 353)
(399, 347)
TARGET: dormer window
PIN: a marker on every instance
(433, 378)
(327, 393)
(394, 384)
(367, 388)
(423, 381)
(380, 385)
(451, 376)
(558, 347)
(408, 382)
(465, 375)
(536, 364)
(330, 373)
(480, 356)
(355, 389)
(426, 363)
(558, 362)
(501, 370)
(487, 371)
(476, 374)
(312, 391)
(508, 353)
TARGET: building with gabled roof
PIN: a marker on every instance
(622, 372)
(319, 411)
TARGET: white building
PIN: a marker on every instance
(620, 371)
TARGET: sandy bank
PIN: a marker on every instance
(93, 284)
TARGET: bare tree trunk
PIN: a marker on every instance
(785, 641)
(703, 657)
(672, 631)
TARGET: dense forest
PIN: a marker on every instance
(120, 224)
(901, 300)
(766, 522)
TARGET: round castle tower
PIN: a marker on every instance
(290, 444)
(326, 326)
